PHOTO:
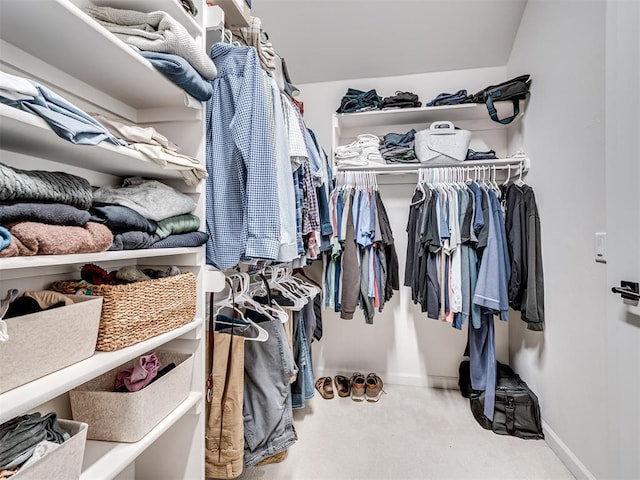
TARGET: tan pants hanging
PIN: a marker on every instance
(224, 429)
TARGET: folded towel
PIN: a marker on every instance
(51, 213)
(151, 199)
(41, 239)
(193, 239)
(155, 32)
(41, 186)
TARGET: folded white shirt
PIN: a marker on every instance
(17, 88)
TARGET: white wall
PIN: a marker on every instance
(402, 345)
(562, 44)
(623, 235)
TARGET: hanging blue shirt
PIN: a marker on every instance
(242, 201)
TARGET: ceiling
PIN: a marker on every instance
(327, 40)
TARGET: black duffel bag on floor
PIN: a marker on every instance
(517, 411)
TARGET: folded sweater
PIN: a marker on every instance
(52, 213)
(193, 239)
(150, 198)
(178, 224)
(155, 32)
(33, 238)
(42, 186)
(121, 219)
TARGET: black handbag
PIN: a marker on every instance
(515, 90)
(516, 412)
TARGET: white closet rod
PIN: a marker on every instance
(515, 162)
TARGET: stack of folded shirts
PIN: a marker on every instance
(46, 213)
(364, 151)
(142, 213)
(398, 147)
(401, 100)
(64, 118)
(156, 147)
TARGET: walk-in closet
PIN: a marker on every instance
(320, 240)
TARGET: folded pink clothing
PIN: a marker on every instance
(32, 238)
(140, 375)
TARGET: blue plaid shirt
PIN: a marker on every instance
(242, 198)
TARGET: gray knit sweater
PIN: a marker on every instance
(150, 198)
(155, 32)
(41, 186)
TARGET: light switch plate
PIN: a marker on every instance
(600, 247)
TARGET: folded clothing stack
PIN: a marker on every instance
(156, 147)
(154, 32)
(359, 101)
(401, 100)
(46, 213)
(64, 118)
(399, 148)
(364, 151)
(26, 439)
(450, 99)
(142, 212)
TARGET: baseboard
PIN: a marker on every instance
(433, 381)
(575, 466)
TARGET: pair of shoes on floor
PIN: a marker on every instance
(369, 387)
(358, 387)
(324, 386)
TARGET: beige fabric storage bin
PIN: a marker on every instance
(43, 342)
(65, 462)
(127, 417)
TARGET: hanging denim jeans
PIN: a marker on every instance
(302, 388)
(268, 369)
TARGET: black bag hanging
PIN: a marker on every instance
(517, 411)
(515, 90)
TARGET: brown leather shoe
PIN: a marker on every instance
(325, 387)
(374, 387)
(357, 387)
(343, 385)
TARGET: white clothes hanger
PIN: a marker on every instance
(229, 302)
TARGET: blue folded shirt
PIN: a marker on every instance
(180, 72)
(64, 118)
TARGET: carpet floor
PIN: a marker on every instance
(411, 433)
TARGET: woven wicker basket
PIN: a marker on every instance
(134, 312)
